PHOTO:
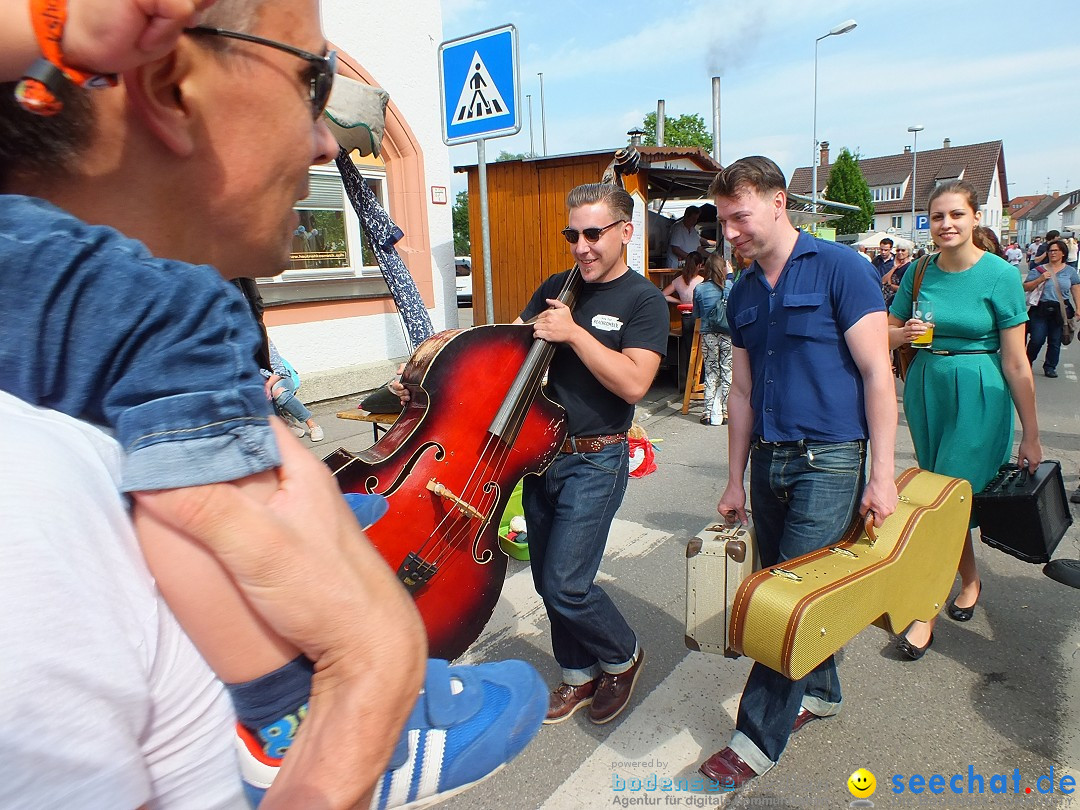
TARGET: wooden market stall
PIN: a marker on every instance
(527, 208)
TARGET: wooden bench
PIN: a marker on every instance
(380, 422)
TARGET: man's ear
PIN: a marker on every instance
(156, 94)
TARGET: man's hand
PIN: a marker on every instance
(556, 324)
(732, 506)
(111, 36)
(881, 497)
(303, 564)
(397, 389)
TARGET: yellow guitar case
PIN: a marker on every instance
(794, 615)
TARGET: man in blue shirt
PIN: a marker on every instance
(811, 383)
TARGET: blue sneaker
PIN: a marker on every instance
(468, 722)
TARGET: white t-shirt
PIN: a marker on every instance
(104, 702)
(1014, 255)
(688, 240)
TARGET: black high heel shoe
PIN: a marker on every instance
(963, 614)
(910, 651)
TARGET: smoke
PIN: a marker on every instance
(737, 40)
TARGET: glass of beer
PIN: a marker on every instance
(924, 311)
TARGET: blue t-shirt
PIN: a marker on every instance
(161, 351)
(804, 381)
(1067, 276)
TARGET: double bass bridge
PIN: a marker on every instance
(461, 504)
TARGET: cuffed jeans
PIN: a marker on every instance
(803, 497)
(568, 511)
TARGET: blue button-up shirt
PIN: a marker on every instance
(804, 381)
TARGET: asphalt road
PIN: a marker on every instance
(999, 695)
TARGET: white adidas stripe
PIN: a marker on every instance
(414, 780)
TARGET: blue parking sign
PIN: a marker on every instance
(922, 222)
(478, 79)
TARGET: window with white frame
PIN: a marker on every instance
(328, 241)
(898, 222)
(886, 193)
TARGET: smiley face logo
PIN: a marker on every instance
(862, 784)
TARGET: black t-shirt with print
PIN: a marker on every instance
(627, 313)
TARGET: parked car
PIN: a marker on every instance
(463, 271)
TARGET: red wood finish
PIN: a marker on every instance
(457, 380)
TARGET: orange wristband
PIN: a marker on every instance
(37, 92)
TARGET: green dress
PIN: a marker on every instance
(959, 408)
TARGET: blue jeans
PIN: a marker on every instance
(1044, 326)
(284, 391)
(568, 511)
(803, 497)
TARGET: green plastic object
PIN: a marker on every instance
(519, 551)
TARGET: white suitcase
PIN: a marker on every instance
(718, 559)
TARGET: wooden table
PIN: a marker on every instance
(379, 421)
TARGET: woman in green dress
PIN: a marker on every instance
(959, 397)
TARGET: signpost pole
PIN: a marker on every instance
(485, 230)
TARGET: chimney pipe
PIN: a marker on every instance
(635, 136)
(660, 122)
(907, 149)
(946, 144)
(824, 160)
(716, 118)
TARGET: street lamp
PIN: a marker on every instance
(842, 28)
(532, 149)
(915, 129)
(543, 119)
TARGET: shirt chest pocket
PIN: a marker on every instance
(804, 314)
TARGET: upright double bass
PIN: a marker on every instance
(476, 423)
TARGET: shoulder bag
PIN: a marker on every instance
(1068, 325)
(905, 355)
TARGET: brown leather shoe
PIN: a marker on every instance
(727, 768)
(613, 692)
(803, 717)
(567, 699)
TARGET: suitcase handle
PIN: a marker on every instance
(868, 527)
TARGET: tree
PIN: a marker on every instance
(460, 215)
(686, 130)
(847, 185)
(504, 156)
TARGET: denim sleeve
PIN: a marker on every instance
(160, 351)
(189, 406)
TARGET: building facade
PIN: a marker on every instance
(331, 313)
(894, 179)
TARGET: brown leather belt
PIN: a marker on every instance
(591, 444)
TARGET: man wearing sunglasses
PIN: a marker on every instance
(200, 152)
(608, 349)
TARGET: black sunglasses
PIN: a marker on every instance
(592, 235)
(323, 68)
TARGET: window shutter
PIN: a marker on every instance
(327, 194)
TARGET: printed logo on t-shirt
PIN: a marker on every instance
(606, 323)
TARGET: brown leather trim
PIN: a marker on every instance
(693, 548)
(901, 544)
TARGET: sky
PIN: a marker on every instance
(967, 71)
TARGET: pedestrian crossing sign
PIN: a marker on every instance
(478, 78)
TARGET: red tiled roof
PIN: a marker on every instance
(1020, 206)
(978, 162)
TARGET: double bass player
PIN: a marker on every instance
(608, 349)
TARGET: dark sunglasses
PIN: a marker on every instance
(323, 68)
(592, 235)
